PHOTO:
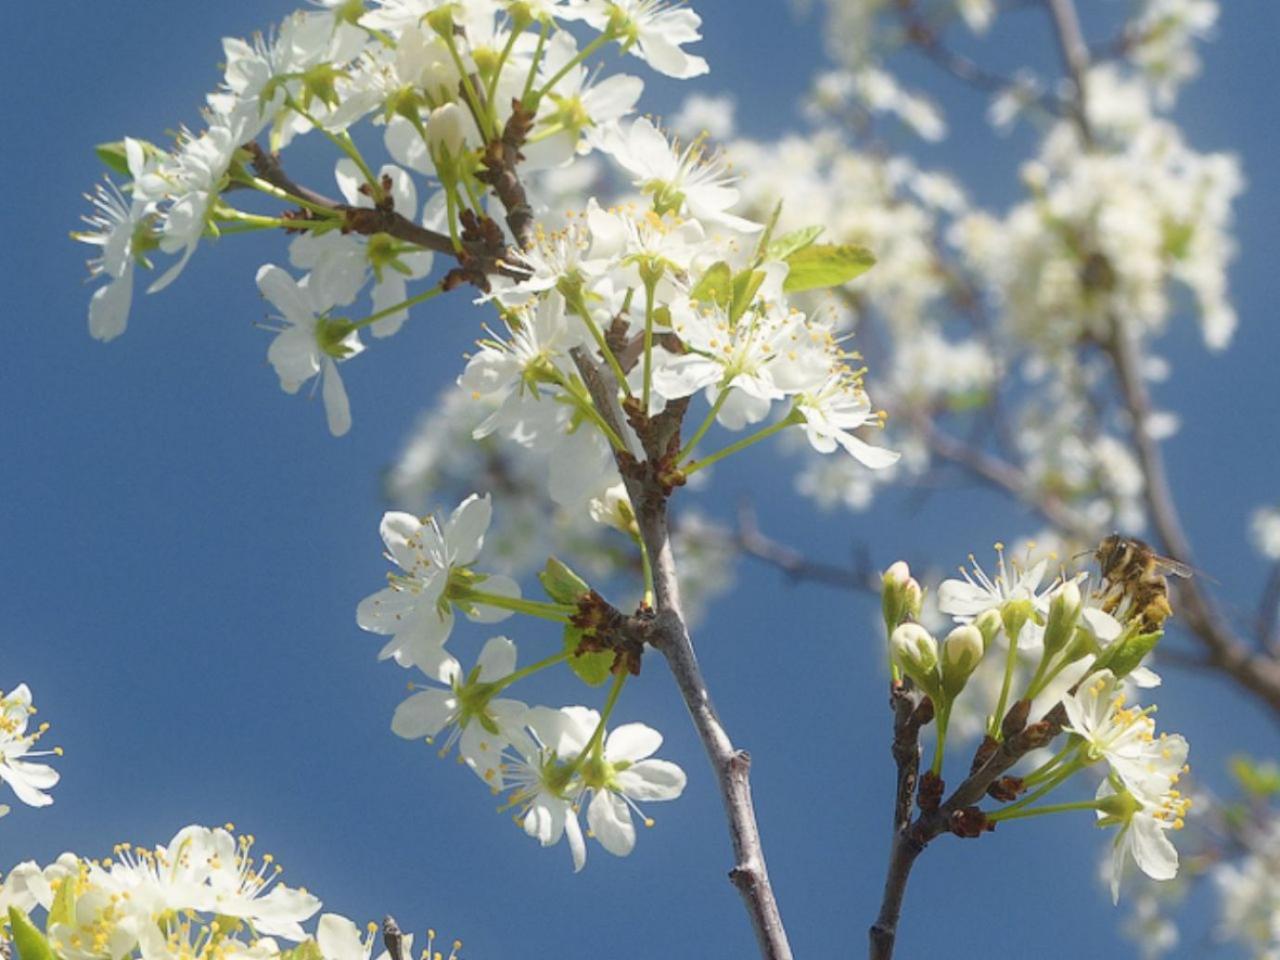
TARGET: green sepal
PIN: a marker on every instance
(792, 243)
(116, 158)
(29, 941)
(593, 669)
(715, 286)
(823, 265)
(1124, 656)
(307, 950)
(63, 909)
(561, 583)
(745, 286)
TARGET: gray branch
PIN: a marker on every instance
(669, 634)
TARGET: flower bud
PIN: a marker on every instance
(901, 596)
(989, 622)
(521, 15)
(1064, 613)
(916, 652)
(445, 131)
(961, 653)
(441, 21)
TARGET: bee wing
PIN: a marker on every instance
(1174, 568)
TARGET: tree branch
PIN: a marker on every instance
(910, 713)
(668, 633)
(1075, 57)
(371, 220)
(1005, 476)
(959, 814)
(1256, 672)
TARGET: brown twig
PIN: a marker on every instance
(1269, 613)
(479, 257)
(958, 814)
(1005, 476)
(1257, 672)
(668, 633)
(925, 38)
(911, 711)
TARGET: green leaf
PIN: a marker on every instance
(1261, 780)
(30, 941)
(792, 242)
(63, 909)
(745, 286)
(715, 286)
(823, 265)
(561, 583)
(591, 668)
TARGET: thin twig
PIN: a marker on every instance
(669, 634)
(958, 814)
(909, 715)
(368, 220)
(1269, 613)
(749, 540)
(1075, 57)
(1005, 476)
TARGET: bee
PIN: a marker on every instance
(1133, 571)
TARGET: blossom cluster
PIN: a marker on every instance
(202, 896)
(29, 780)
(441, 462)
(612, 320)
(987, 317)
(549, 762)
(1065, 657)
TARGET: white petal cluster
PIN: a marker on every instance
(29, 779)
(166, 902)
(1109, 234)
(441, 462)
(1249, 893)
(569, 763)
(202, 896)
(1147, 765)
(406, 66)
(416, 608)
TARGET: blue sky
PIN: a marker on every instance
(183, 547)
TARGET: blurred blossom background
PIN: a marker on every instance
(184, 546)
